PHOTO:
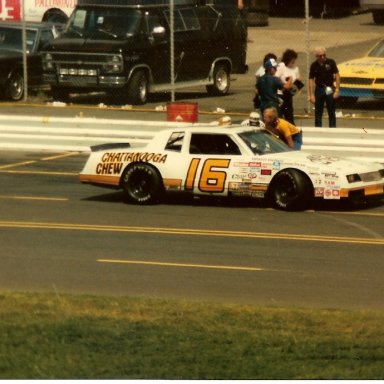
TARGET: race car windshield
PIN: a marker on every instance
(378, 50)
(263, 142)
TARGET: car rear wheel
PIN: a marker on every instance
(221, 81)
(14, 89)
(291, 190)
(142, 183)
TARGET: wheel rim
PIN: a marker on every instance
(140, 184)
(221, 80)
(285, 191)
(16, 87)
(143, 89)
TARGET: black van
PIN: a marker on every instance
(124, 48)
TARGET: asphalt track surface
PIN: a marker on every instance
(60, 236)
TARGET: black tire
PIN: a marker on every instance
(221, 81)
(137, 91)
(290, 190)
(14, 89)
(142, 184)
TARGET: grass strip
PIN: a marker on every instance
(50, 336)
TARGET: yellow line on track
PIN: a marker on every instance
(17, 164)
(33, 198)
(180, 265)
(191, 232)
(45, 173)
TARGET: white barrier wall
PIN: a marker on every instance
(78, 134)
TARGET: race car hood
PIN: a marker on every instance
(370, 67)
(325, 162)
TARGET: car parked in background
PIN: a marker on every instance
(38, 35)
(363, 77)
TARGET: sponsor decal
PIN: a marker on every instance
(323, 159)
(256, 164)
(112, 162)
(239, 176)
(276, 165)
(240, 164)
(266, 172)
(319, 192)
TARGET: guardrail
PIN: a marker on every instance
(78, 134)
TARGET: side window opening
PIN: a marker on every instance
(213, 144)
(175, 142)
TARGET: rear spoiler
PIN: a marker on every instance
(104, 147)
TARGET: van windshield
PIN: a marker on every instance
(102, 23)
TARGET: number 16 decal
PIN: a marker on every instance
(210, 180)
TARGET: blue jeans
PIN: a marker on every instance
(321, 98)
(298, 140)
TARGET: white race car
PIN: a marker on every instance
(230, 161)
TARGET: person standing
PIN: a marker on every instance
(286, 131)
(324, 87)
(268, 85)
(286, 69)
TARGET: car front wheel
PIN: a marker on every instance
(142, 183)
(15, 87)
(291, 190)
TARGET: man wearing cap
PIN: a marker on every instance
(268, 85)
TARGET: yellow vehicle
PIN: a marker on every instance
(363, 77)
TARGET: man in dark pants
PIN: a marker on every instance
(324, 86)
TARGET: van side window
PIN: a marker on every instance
(185, 19)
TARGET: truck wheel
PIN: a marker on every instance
(138, 88)
(142, 183)
(14, 89)
(290, 190)
(221, 81)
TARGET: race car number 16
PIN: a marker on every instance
(211, 179)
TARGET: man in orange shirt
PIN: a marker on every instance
(286, 131)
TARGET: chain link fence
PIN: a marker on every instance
(275, 25)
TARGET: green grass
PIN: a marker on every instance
(47, 336)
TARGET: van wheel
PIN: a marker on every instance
(290, 190)
(221, 81)
(14, 89)
(142, 183)
(138, 88)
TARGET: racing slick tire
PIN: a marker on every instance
(142, 184)
(291, 190)
(221, 81)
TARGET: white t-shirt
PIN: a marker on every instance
(283, 72)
